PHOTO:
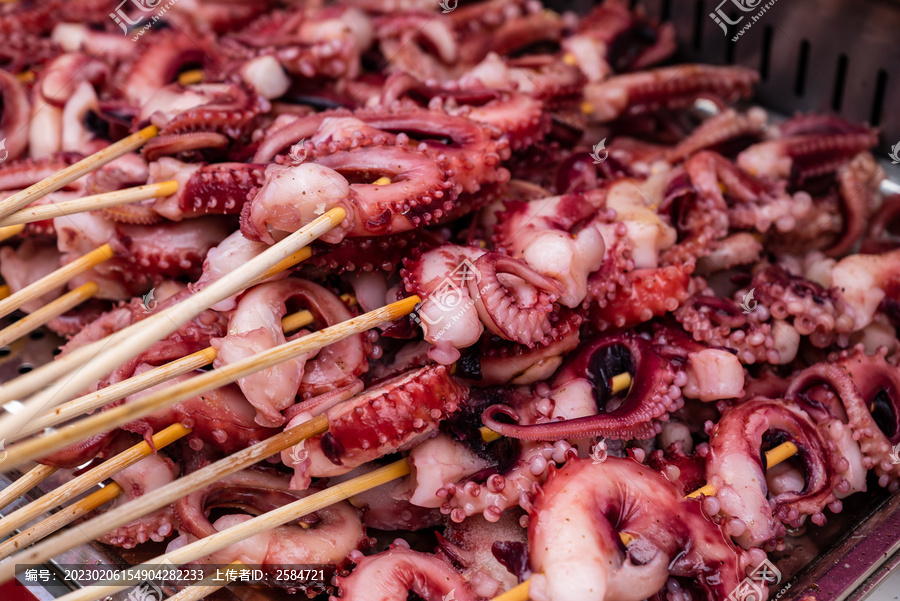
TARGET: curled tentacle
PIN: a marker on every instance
(587, 376)
(394, 574)
(516, 306)
(574, 536)
(868, 392)
(738, 474)
(147, 475)
(379, 421)
(324, 537)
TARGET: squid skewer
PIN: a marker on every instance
(774, 456)
(68, 175)
(118, 416)
(100, 398)
(261, 523)
(55, 279)
(60, 519)
(90, 478)
(161, 497)
(90, 530)
(95, 360)
(90, 203)
(149, 378)
(13, 225)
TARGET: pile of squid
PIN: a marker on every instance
(569, 205)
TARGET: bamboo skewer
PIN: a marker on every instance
(773, 457)
(51, 310)
(24, 483)
(90, 203)
(71, 173)
(119, 516)
(37, 379)
(148, 379)
(266, 521)
(90, 478)
(8, 232)
(167, 397)
(94, 361)
(60, 519)
(54, 280)
(190, 77)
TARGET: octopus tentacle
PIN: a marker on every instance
(727, 126)
(324, 537)
(868, 390)
(508, 310)
(576, 522)
(144, 476)
(858, 184)
(668, 87)
(587, 376)
(808, 146)
(379, 421)
(399, 571)
(419, 189)
(182, 144)
(737, 473)
(881, 235)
